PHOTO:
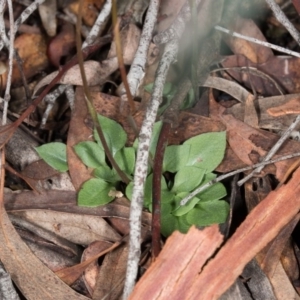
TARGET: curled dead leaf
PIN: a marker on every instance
(96, 74)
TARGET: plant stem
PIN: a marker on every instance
(156, 187)
(89, 102)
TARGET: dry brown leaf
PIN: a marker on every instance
(31, 276)
(71, 274)
(91, 272)
(277, 112)
(269, 257)
(78, 132)
(179, 262)
(90, 10)
(283, 69)
(130, 38)
(254, 52)
(251, 144)
(65, 201)
(110, 281)
(282, 286)
(96, 73)
(47, 11)
(79, 229)
(32, 50)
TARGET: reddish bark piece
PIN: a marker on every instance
(296, 4)
(251, 144)
(179, 262)
(260, 227)
(291, 107)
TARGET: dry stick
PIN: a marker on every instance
(99, 24)
(86, 52)
(89, 100)
(10, 62)
(137, 68)
(256, 41)
(170, 120)
(281, 17)
(140, 174)
(120, 57)
(220, 178)
(274, 149)
(290, 27)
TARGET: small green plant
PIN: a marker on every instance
(186, 166)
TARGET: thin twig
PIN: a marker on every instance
(89, 100)
(10, 62)
(169, 56)
(274, 149)
(137, 69)
(93, 34)
(99, 24)
(256, 41)
(220, 178)
(120, 58)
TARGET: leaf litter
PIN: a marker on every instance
(263, 90)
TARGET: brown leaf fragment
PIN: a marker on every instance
(250, 144)
(283, 289)
(65, 201)
(78, 132)
(110, 281)
(48, 10)
(31, 276)
(79, 229)
(180, 260)
(69, 275)
(32, 51)
(269, 257)
(254, 233)
(283, 69)
(254, 52)
(91, 272)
